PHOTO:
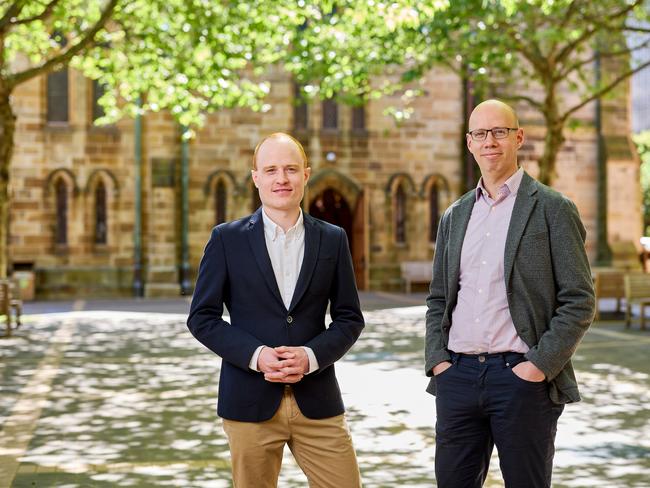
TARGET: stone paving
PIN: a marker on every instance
(127, 398)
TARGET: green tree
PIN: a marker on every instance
(185, 56)
(533, 51)
(191, 56)
(642, 141)
(550, 46)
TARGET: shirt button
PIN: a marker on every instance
(476, 320)
(483, 262)
(480, 291)
(487, 235)
(289, 319)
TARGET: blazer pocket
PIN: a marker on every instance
(535, 236)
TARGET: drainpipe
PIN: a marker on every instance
(185, 264)
(468, 164)
(138, 284)
(603, 251)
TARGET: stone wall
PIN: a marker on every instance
(364, 167)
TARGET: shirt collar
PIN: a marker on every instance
(511, 185)
(273, 230)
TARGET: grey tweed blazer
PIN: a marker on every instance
(547, 277)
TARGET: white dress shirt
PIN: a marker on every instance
(286, 250)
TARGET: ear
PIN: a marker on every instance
(307, 174)
(520, 137)
(468, 139)
(254, 176)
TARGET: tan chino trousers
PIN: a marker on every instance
(322, 448)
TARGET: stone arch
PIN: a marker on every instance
(434, 179)
(435, 192)
(400, 194)
(221, 174)
(100, 214)
(337, 198)
(331, 178)
(220, 205)
(397, 179)
(60, 189)
(67, 175)
(249, 193)
(107, 176)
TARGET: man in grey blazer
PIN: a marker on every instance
(510, 299)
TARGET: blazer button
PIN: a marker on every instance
(289, 319)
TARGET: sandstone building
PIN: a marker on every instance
(76, 212)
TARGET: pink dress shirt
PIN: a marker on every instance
(481, 321)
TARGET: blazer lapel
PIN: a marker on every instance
(524, 205)
(258, 245)
(312, 248)
(458, 226)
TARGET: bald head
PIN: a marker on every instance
(280, 137)
(495, 153)
(493, 106)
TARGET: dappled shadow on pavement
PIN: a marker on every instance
(129, 399)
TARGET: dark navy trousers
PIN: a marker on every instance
(481, 403)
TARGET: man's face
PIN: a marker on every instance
(497, 158)
(280, 175)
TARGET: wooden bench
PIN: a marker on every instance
(637, 290)
(609, 283)
(10, 303)
(416, 272)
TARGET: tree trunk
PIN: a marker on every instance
(7, 130)
(552, 145)
(554, 136)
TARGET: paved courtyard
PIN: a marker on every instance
(125, 397)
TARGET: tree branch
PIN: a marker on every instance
(523, 98)
(604, 90)
(13, 10)
(603, 54)
(47, 11)
(597, 26)
(636, 28)
(531, 54)
(87, 40)
(570, 11)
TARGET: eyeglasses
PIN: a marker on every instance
(497, 133)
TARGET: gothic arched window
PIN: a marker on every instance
(220, 202)
(400, 215)
(61, 191)
(101, 221)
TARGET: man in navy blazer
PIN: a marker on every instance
(276, 271)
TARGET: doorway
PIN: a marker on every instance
(331, 206)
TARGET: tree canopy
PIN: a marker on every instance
(194, 56)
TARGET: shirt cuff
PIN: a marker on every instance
(313, 362)
(253, 364)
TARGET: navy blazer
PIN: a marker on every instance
(236, 271)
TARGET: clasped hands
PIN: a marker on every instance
(284, 364)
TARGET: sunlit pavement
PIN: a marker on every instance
(120, 399)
